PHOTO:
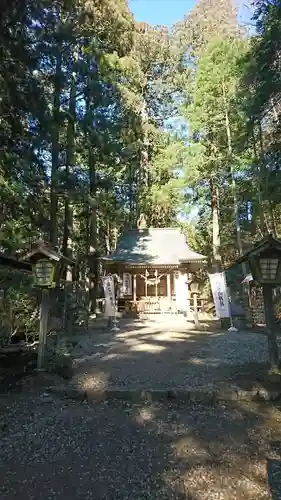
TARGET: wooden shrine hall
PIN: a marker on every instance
(155, 266)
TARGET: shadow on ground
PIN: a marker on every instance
(147, 451)
(167, 356)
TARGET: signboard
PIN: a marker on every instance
(127, 284)
(220, 295)
(181, 291)
(108, 285)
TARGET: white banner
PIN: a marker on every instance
(181, 291)
(108, 285)
(220, 295)
(127, 284)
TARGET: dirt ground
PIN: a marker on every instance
(56, 448)
(166, 354)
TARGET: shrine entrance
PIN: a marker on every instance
(155, 266)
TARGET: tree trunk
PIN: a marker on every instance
(263, 173)
(143, 165)
(107, 237)
(55, 154)
(215, 225)
(93, 203)
(264, 176)
(131, 196)
(259, 184)
(262, 182)
(92, 212)
(246, 289)
(70, 161)
(272, 218)
(233, 182)
(274, 111)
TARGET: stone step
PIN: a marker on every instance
(168, 395)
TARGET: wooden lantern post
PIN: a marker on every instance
(194, 288)
(44, 260)
(43, 271)
(264, 260)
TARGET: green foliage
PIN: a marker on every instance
(231, 100)
(117, 64)
(18, 306)
(85, 93)
(260, 89)
(212, 155)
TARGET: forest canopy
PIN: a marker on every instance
(89, 99)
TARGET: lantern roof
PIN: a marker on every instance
(266, 244)
(44, 249)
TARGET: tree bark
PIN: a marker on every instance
(264, 176)
(55, 153)
(246, 289)
(92, 211)
(233, 182)
(131, 196)
(262, 180)
(259, 183)
(272, 219)
(70, 161)
(274, 111)
(215, 225)
(143, 165)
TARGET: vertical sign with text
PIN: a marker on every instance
(220, 295)
(108, 285)
(127, 284)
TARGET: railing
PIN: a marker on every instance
(152, 305)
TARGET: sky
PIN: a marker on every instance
(166, 12)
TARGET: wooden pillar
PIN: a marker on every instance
(195, 306)
(187, 277)
(135, 288)
(156, 285)
(43, 328)
(146, 277)
(269, 320)
(169, 286)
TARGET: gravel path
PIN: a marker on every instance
(166, 356)
(64, 450)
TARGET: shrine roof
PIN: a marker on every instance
(154, 246)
